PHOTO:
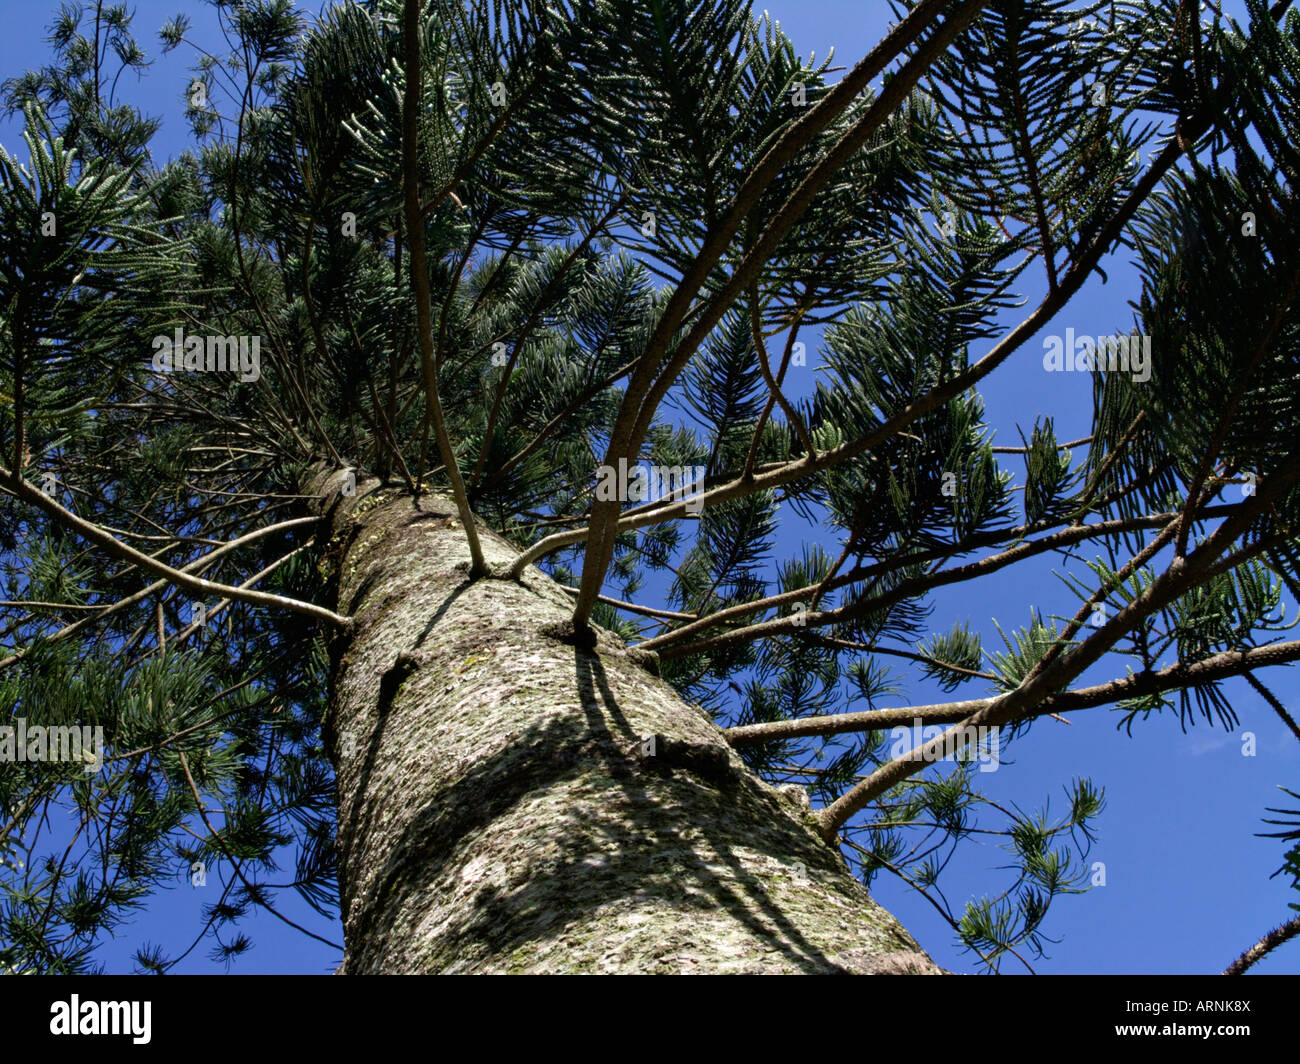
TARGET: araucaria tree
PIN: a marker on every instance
(506, 468)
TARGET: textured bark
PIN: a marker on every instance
(497, 809)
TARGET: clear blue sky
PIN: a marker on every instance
(1187, 882)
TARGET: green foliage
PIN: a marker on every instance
(1025, 648)
(953, 656)
(1047, 475)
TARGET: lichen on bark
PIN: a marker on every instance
(500, 811)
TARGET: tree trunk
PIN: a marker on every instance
(500, 809)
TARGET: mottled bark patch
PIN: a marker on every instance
(501, 808)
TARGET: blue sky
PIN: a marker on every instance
(1187, 882)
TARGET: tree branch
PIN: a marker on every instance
(420, 279)
(1221, 666)
(1264, 946)
(178, 577)
(1182, 575)
(644, 390)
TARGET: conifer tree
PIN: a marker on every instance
(410, 479)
